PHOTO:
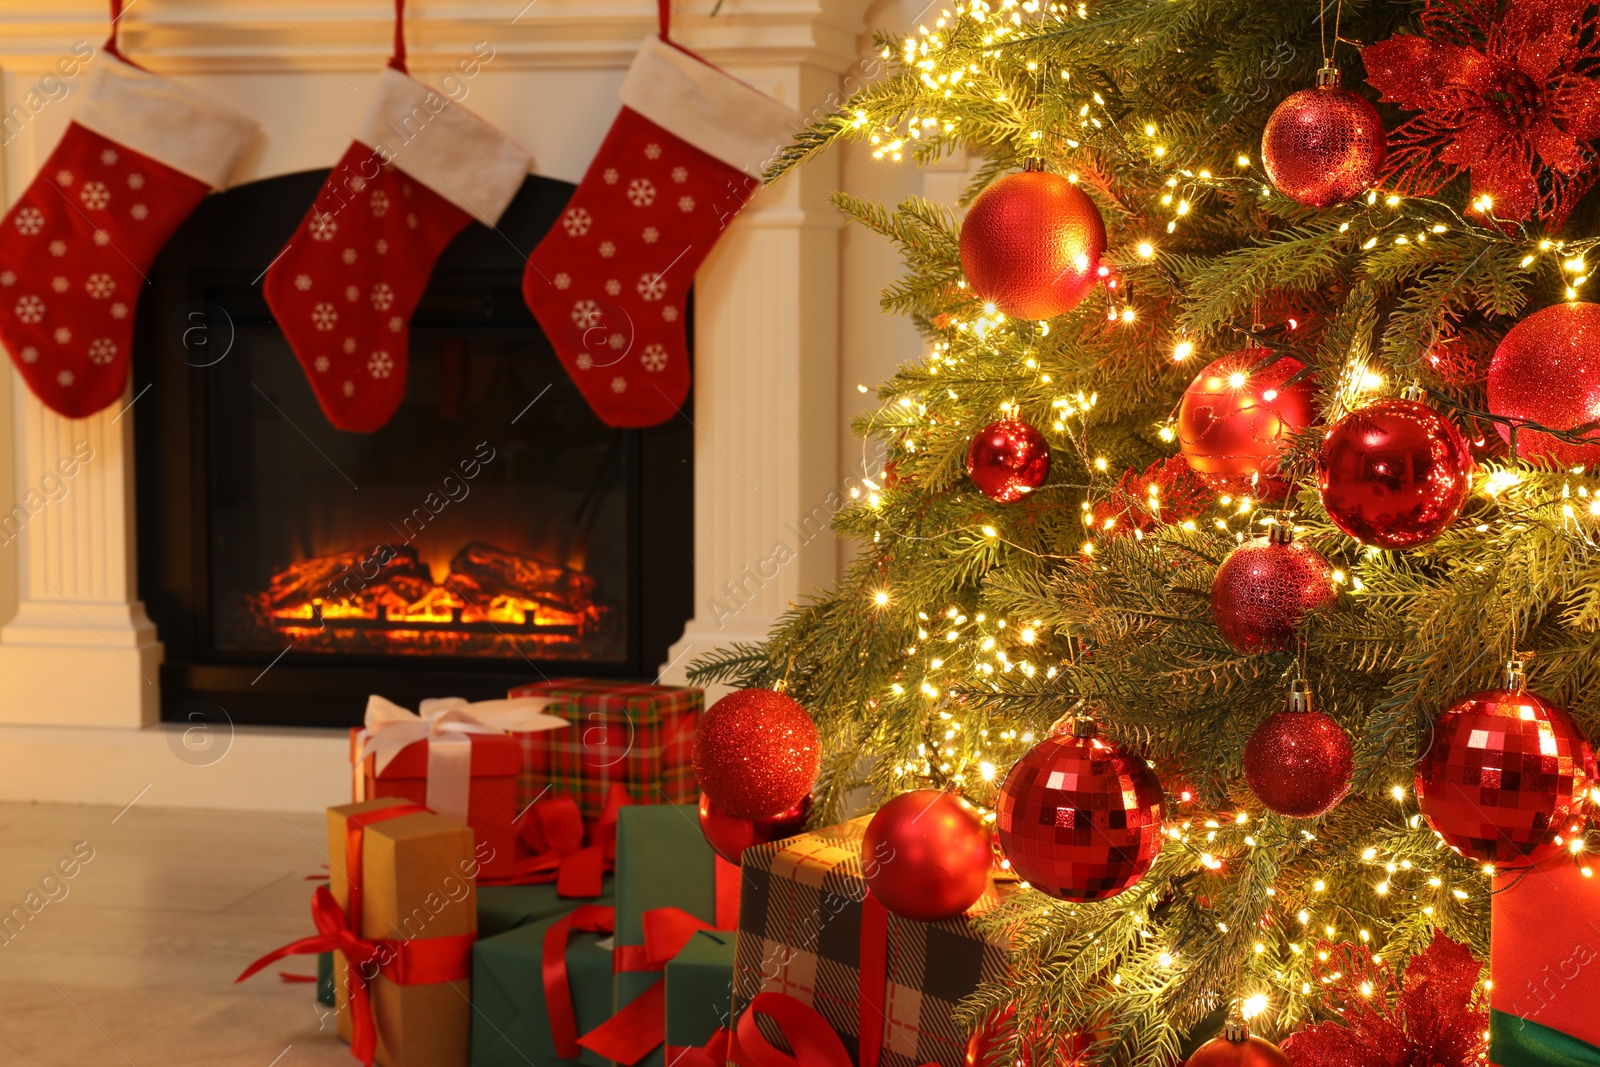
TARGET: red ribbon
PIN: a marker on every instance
(553, 831)
(714, 1053)
(591, 918)
(873, 977)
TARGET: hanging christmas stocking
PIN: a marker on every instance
(418, 170)
(139, 155)
(608, 282)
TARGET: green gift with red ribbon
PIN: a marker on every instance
(1544, 960)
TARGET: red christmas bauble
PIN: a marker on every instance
(1031, 245)
(926, 855)
(1547, 369)
(1008, 460)
(1078, 818)
(730, 835)
(1323, 146)
(983, 1047)
(1504, 773)
(1298, 762)
(756, 753)
(1247, 1051)
(1233, 419)
(1394, 473)
(1266, 587)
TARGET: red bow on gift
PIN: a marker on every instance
(553, 831)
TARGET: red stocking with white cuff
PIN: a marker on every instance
(608, 282)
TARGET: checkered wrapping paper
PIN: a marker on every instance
(800, 932)
(641, 736)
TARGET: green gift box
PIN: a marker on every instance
(700, 988)
(510, 1026)
(505, 907)
(326, 994)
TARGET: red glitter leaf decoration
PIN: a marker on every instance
(1179, 494)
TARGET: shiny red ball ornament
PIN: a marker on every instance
(1266, 587)
(1031, 244)
(1298, 762)
(1323, 146)
(1007, 460)
(1504, 773)
(926, 855)
(730, 835)
(1236, 1047)
(1233, 419)
(983, 1047)
(1078, 818)
(756, 753)
(1394, 473)
(1547, 370)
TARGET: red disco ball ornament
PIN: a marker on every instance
(1394, 473)
(1234, 418)
(1007, 460)
(1266, 587)
(1237, 1048)
(1298, 762)
(1078, 818)
(1031, 244)
(1547, 370)
(756, 753)
(1505, 772)
(983, 1047)
(926, 855)
(731, 835)
(1323, 146)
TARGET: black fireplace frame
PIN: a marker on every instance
(226, 245)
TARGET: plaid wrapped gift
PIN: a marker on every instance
(800, 924)
(641, 736)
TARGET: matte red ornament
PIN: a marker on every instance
(1236, 1047)
(926, 855)
(1394, 473)
(1547, 369)
(756, 753)
(1323, 146)
(983, 1047)
(1031, 244)
(1266, 587)
(1504, 773)
(731, 835)
(1078, 818)
(1298, 762)
(1233, 419)
(1007, 460)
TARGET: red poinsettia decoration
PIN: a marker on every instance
(1178, 495)
(1436, 1019)
(1507, 90)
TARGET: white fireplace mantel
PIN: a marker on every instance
(79, 660)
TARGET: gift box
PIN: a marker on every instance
(511, 1024)
(325, 991)
(806, 924)
(506, 907)
(1544, 946)
(640, 736)
(699, 991)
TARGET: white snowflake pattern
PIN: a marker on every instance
(562, 280)
(653, 358)
(670, 313)
(139, 212)
(607, 249)
(349, 389)
(379, 203)
(102, 350)
(651, 287)
(30, 310)
(619, 384)
(348, 255)
(382, 296)
(357, 184)
(302, 282)
(641, 193)
(685, 204)
(322, 363)
(651, 235)
(613, 287)
(109, 157)
(617, 341)
(323, 316)
(411, 221)
(64, 177)
(586, 313)
(652, 151)
(101, 238)
(8, 278)
(100, 286)
(95, 196)
(610, 176)
(382, 246)
(136, 181)
(60, 284)
(352, 293)
(576, 221)
(119, 310)
(396, 323)
(323, 226)
(349, 346)
(30, 355)
(380, 364)
(585, 361)
(58, 248)
(30, 220)
(62, 335)
(65, 378)
(405, 190)
(680, 174)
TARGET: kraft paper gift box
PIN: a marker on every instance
(1544, 960)
(511, 1019)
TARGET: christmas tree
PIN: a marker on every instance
(1290, 354)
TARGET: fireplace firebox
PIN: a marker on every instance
(495, 531)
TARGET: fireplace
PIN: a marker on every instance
(493, 531)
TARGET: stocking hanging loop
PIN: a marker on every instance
(111, 46)
(397, 60)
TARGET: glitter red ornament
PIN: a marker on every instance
(1323, 146)
(756, 753)
(1236, 1047)
(1031, 244)
(1394, 473)
(1266, 587)
(730, 835)
(1235, 416)
(983, 1047)
(1007, 460)
(926, 855)
(1547, 369)
(1078, 818)
(1298, 762)
(1504, 773)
